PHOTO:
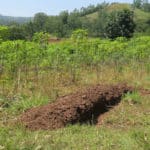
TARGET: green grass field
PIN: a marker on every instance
(64, 68)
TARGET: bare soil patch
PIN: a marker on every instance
(54, 40)
(80, 107)
(144, 92)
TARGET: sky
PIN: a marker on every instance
(50, 7)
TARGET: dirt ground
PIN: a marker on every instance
(144, 92)
(84, 106)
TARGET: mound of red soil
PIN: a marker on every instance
(83, 106)
(54, 40)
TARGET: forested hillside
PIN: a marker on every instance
(93, 18)
(8, 20)
(141, 17)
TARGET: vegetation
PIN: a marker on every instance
(142, 4)
(4, 33)
(21, 59)
(120, 24)
(93, 18)
(35, 71)
(8, 20)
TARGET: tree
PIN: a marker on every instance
(40, 20)
(64, 17)
(74, 21)
(63, 22)
(29, 29)
(120, 24)
(16, 33)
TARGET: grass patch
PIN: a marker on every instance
(75, 137)
(133, 98)
(15, 107)
(125, 128)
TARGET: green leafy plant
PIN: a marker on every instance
(79, 34)
(41, 37)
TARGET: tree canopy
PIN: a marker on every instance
(120, 24)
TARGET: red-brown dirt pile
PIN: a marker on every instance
(80, 107)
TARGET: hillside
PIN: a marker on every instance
(87, 18)
(5, 20)
(139, 15)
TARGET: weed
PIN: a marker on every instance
(133, 98)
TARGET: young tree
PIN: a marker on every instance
(120, 24)
(41, 37)
(79, 35)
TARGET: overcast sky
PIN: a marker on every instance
(50, 7)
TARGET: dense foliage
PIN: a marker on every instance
(7, 20)
(92, 18)
(120, 24)
(21, 55)
(4, 33)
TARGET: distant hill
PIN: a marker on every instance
(141, 18)
(139, 15)
(5, 20)
(87, 17)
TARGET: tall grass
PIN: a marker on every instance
(32, 67)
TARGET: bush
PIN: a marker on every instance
(120, 24)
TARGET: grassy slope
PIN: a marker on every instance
(139, 14)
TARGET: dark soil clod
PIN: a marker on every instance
(81, 107)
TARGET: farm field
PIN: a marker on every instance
(74, 79)
(33, 74)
